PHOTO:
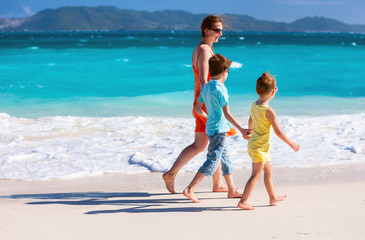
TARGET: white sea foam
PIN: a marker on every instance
(236, 65)
(58, 147)
(124, 60)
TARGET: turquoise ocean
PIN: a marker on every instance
(149, 74)
(85, 103)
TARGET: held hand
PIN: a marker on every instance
(246, 133)
(295, 146)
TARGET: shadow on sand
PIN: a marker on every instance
(129, 202)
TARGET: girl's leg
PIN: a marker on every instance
(250, 185)
(270, 186)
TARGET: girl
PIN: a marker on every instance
(262, 120)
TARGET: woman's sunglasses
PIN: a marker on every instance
(217, 30)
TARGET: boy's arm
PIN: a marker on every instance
(198, 110)
(246, 133)
(271, 115)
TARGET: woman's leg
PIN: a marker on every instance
(218, 184)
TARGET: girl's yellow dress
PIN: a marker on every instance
(259, 144)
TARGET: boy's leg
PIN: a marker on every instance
(250, 185)
(232, 190)
(215, 150)
(270, 186)
(227, 170)
(208, 168)
(200, 143)
(189, 190)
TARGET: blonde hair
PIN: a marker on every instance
(218, 64)
(265, 83)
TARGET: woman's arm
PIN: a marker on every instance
(203, 65)
(271, 115)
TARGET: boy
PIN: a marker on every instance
(262, 120)
(214, 95)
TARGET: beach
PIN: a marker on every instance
(97, 178)
(89, 121)
(322, 203)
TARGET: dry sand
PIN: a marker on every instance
(322, 203)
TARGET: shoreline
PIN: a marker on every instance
(152, 181)
(179, 107)
(323, 203)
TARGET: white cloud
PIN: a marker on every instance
(27, 10)
(310, 3)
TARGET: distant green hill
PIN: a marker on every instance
(115, 19)
(321, 24)
(108, 18)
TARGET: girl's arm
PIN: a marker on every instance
(271, 115)
(250, 123)
(246, 133)
(203, 65)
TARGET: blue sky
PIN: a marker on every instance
(348, 11)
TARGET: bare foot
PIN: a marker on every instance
(220, 188)
(234, 194)
(190, 194)
(169, 182)
(277, 199)
(246, 206)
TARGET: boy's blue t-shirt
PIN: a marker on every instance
(215, 96)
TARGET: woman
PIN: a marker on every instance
(211, 28)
